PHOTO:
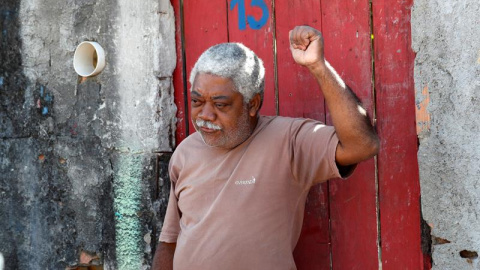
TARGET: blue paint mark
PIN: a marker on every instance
(4, 32)
(41, 90)
(243, 18)
(127, 202)
(45, 110)
(1, 81)
(242, 22)
(254, 24)
(48, 98)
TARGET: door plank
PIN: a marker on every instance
(313, 247)
(259, 40)
(299, 93)
(300, 96)
(320, 260)
(399, 189)
(353, 210)
(205, 26)
(178, 82)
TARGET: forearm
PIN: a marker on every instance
(358, 140)
(163, 259)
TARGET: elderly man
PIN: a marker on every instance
(239, 184)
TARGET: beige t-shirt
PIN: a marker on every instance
(243, 208)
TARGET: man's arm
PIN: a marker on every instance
(358, 140)
(163, 259)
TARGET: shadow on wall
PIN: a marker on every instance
(13, 123)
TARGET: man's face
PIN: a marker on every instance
(218, 112)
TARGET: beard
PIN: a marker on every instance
(226, 138)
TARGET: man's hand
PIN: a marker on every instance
(306, 45)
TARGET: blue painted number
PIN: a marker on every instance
(243, 18)
(254, 24)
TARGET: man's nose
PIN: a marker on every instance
(207, 113)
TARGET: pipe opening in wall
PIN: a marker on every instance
(89, 59)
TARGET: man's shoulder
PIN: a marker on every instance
(190, 147)
(192, 141)
(277, 129)
(276, 120)
(271, 129)
(285, 122)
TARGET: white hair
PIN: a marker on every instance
(236, 62)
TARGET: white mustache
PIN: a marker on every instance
(207, 124)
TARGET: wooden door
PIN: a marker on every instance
(372, 220)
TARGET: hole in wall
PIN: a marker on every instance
(426, 242)
(439, 241)
(467, 254)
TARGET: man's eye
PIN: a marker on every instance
(220, 105)
(195, 102)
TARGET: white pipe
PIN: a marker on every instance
(2, 261)
(89, 59)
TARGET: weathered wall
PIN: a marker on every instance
(446, 37)
(78, 157)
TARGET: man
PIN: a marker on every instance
(239, 184)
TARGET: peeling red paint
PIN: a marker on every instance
(422, 115)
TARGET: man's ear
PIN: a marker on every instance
(254, 105)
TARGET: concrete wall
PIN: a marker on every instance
(446, 37)
(78, 156)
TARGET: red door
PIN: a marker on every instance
(372, 220)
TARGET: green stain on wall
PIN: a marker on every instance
(127, 204)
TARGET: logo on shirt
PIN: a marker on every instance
(246, 182)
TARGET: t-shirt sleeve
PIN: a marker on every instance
(313, 147)
(171, 223)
